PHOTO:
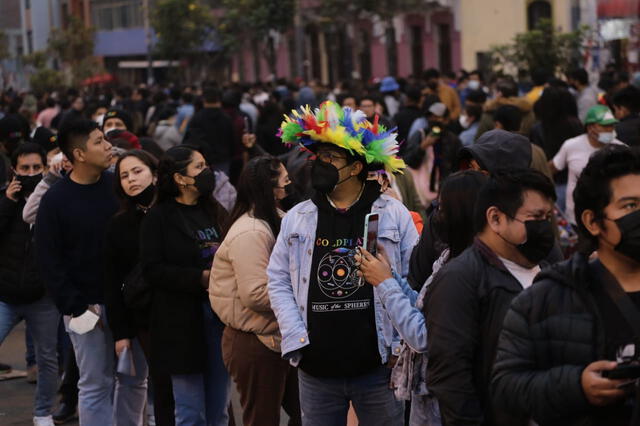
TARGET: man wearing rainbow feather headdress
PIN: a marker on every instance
(334, 327)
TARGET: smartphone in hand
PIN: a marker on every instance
(371, 233)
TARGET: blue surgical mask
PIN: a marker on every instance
(606, 137)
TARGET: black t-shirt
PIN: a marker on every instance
(340, 315)
(202, 227)
(619, 343)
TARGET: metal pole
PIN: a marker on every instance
(147, 32)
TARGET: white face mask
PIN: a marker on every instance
(606, 137)
(474, 84)
(464, 121)
(100, 119)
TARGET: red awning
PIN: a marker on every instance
(98, 79)
(618, 9)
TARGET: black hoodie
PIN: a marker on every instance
(552, 331)
(340, 317)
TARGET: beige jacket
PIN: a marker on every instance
(238, 281)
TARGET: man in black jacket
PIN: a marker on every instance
(211, 131)
(626, 105)
(562, 336)
(493, 151)
(22, 295)
(466, 302)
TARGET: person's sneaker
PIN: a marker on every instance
(43, 421)
(64, 413)
(4, 368)
(32, 374)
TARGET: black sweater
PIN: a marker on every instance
(122, 253)
(70, 229)
(172, 265)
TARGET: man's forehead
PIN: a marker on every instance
(535, 200)
(625, 187)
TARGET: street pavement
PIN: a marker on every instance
(16, 395)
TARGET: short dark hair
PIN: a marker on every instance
(474, 110)
(26, 149)
(211, 95)
(593, 189)
(73, 134)
(509, 116)
(580, 75)
(478, 73)
(628, 97)
(505, 190)
(539, 76)
(413, 93)
(507, 87)
(476, 96)
(430, 74)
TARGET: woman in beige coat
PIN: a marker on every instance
(238, 294)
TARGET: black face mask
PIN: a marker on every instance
(540, 240)
(205, 182)
(145, 198)
(325, 177)
(629, 227)
(28, 183)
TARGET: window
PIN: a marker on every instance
(30, 41)
(117, 14)
(444, 47)
(417, 58)
(365, 55)
(536, 11)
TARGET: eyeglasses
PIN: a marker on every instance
(328, 157)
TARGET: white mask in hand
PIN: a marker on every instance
(84, 323)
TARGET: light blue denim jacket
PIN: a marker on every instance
(290, 268)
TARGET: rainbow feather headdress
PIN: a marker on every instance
(346, 129)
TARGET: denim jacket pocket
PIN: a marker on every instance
(296, 245)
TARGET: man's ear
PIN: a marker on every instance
(78, 155)
(590, 222)
(357, 168)
(494, 218)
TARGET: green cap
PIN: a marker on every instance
(600, 114)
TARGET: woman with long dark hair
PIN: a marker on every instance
(238, 294)
(179, 238)
(454, 226)
(128, 309)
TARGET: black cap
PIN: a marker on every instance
(121, 114)
(45, 138)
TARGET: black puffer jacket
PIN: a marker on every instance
(552, 331)
(464, 309)
(19, 278)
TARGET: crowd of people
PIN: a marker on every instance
(164, 244)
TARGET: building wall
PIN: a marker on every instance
(487, 23)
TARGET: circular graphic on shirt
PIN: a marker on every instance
(337, 274)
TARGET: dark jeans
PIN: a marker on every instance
(163, 405)
(325, 401)
(265, 381)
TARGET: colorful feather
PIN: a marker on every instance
(345, 128)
